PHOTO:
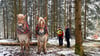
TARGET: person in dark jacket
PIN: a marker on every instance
(60, 36)
(67, 36)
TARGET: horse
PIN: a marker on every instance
(41, 34)
(23, 32)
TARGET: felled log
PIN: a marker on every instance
(14, 44)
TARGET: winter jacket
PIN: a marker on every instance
(67, 33)
(60, 33)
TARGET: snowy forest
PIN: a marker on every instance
(81, 16)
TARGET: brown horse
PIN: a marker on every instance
(41, 34)
(23, 32)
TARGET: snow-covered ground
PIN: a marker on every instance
(8, 41)
(51, 51)
(54, 41)
(54, 50)
(91, 48)
(92, 38)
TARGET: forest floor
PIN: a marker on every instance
(91, 48)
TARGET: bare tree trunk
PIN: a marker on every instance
(54, 19)
(46, 10)
(35, 16)
(20, 6)
(38, 9)
(65, 14)
(42, 9)
(78, 32)
(12, 29)
(35, 13)
(13, 22)
(15, 19)
(56, 14)
(70, 22)
(4, 21)
(26, 9)
(7, 21)
(85, 21)
(33, 20)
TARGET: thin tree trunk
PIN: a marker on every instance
(38, 9)
(65, 14)
(33, 30)
(26, 9)
(59, 12)
(56, 14)
(42, 9)
(54, 19)
(85, 21)
(70, 22)
(4, 21)
(35, 16)
(78, 32)
(35, 13)
(20, 6)
(31, 20)
(7, 21)
(15, 20)
(46, 10)
(12, 29)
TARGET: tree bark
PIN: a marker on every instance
(4, 21)
(46, 10)
(78, 32)
(85, 21)
(26, 9)
(52, 34)
(20, 6)
(65, 14)
(54, 19)
(7, 20)
(70, 22)
(15, 20)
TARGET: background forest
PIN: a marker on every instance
(81, 16)
(59, 13)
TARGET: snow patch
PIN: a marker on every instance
(65, 52)
(8, 41)
(91, 38)
(34, 41)
(55, 41)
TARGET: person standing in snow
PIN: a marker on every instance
(60, 36)
(67, 36)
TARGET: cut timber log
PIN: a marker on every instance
(14, 44)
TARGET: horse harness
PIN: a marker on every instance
(20, 28)
(41, 33)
